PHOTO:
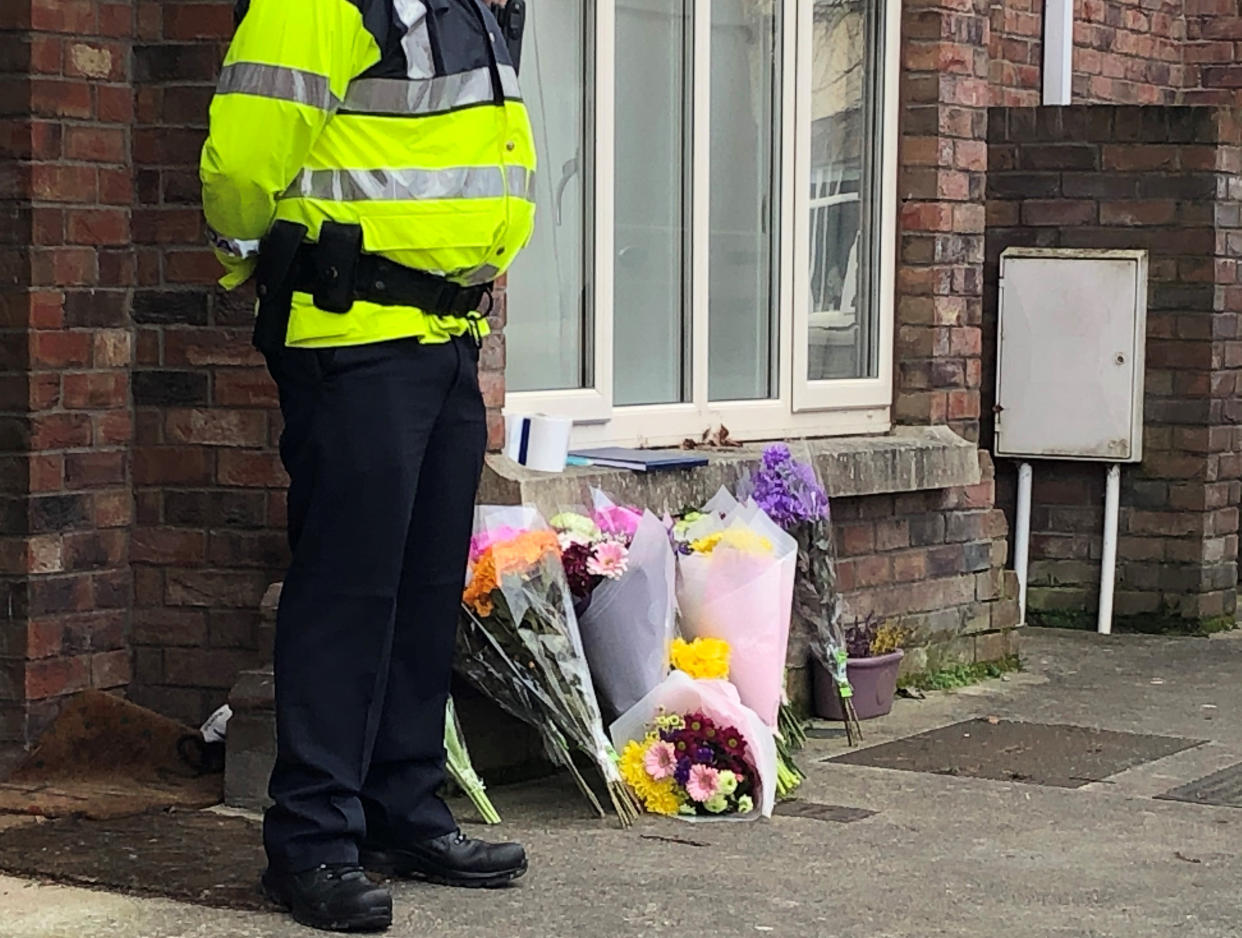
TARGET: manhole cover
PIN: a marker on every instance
(817, 811)
(1223, 789)
(1036, 753)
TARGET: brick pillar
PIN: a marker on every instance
(943, 163)
(68, 270)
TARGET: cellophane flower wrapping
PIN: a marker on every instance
(735, 581)
(787, 486)
(681, 695)
(629, 622)
(519, 642)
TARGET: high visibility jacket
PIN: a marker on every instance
(402, 116)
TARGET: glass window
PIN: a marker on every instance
(745, 199)
(548, 297)
(845, 143)
(654, 128)
(732, 228)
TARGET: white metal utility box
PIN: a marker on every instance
(1070, 354)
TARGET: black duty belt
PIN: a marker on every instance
(379, 280)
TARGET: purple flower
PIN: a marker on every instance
(704, 754)
(575, 559)
(776, 454)
(681, 774)
(786, 489)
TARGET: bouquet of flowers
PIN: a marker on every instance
(519, 644)
(690, 749)
(789, 491)
(595, 547)
(621, 571)
(735, 579)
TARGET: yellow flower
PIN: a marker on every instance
(706, 658)
(738, 538)
(631, 764)
(661, 798)
(888, 638)
(705, 545)
(657, 797)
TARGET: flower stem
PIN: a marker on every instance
(462, 770)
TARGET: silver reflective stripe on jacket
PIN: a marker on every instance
(416, 43)
(479, 275)
(521, 182)
(459, 182)
(279, 82)
(400, 97)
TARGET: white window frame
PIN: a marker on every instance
(801, 407)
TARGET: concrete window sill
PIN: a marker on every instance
(909, 459)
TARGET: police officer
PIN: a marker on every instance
(370, 162)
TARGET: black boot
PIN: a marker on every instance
(333, 897)
(451, 860)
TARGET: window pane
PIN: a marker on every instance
(845, 147)
(653, 132)
(745, 198)
(547, 339)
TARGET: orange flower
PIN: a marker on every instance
(478, 594)
(516, 555)
(519, 554)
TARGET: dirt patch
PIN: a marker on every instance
(104, 757)
(1036, 753)
(190, 856)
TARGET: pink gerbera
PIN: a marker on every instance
(609, 559)
(660, 760)
(703, 783)
(485, 540)
(617, 519)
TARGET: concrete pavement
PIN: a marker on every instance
(943, 856)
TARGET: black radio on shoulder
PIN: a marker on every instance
(512, 19)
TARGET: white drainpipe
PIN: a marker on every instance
(1058, 51)
(1022, 536)
(1108, 563)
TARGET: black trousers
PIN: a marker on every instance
(384, 446)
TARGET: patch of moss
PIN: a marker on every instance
(1218, 624)
(961, 675)
(1161, 622)
(1073, 619)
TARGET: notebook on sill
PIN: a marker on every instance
(639, 460)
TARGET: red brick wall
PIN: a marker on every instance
(1015, 50)
(1128, 51)
(932, 563)
(208, 535)
(1213, 52)
(67, 266)
(1164, 180)
(1125, 51)
(942, 165)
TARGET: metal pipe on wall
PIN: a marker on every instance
(1022, 535)
(1108, 562)
(1058, 73)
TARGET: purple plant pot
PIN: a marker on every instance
(874, 681)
